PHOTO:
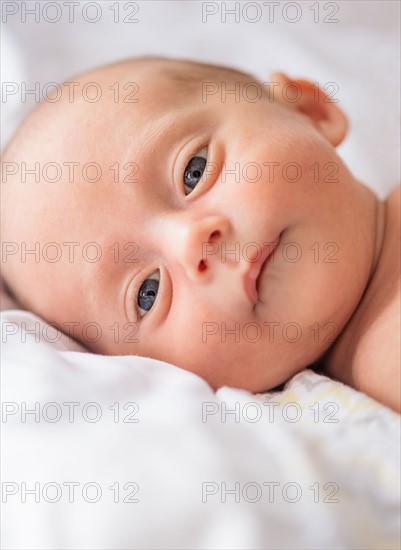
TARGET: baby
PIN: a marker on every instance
(189, 213)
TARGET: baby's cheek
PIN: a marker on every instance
(114, 338)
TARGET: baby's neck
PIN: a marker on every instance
(338, 360)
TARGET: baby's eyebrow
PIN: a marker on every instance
(159, 130)
(119, 263)
(162, 133)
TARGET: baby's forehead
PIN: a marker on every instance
(137, 90)
(171, 80)
(139, 96)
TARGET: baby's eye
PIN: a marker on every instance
(194, 170)
(148, 291)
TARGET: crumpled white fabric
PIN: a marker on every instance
(315, 440)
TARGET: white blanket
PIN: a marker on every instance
(314, 466)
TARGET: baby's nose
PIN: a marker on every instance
(196, 243)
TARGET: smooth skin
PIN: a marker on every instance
(342, 294)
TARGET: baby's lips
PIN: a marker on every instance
(250, 277)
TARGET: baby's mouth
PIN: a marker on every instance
(253, 276)
(270, 258)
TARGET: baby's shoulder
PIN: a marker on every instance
(394, 201)
(377, 358)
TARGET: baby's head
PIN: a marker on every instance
(153, 208)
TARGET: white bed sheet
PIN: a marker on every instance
(183, 439)
(170, 452)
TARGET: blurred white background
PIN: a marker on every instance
(359, 52)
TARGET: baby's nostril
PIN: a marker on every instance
(215, 234)
(202, 265)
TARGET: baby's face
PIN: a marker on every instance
(194, 193)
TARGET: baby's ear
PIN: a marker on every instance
(309, 99)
